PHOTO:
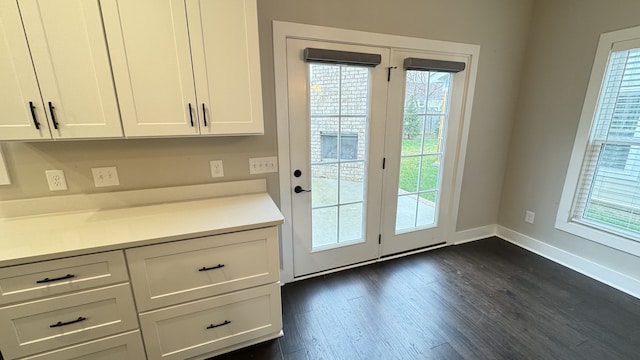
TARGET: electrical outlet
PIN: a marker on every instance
(216, 168)
(56, 180)
(263, 165)
(529, 216)
(105, 176)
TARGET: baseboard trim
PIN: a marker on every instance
(479, 233)
(586, 267)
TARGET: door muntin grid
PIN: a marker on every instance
(425, 116)
(339, 127)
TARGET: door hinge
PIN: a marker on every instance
(379, 239)
(389, 68)
(384, 163)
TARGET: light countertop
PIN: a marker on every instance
(27, 239)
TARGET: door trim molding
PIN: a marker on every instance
(284, 30)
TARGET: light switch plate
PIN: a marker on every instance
(263, 165)
(105, 176)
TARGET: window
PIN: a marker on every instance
(601, 197)
(348, 146)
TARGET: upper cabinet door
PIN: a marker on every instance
(72, 64)
(149, 45)
(226, 62)
(19, 92)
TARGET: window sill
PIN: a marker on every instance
(599, 236)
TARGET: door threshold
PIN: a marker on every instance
(369, 262)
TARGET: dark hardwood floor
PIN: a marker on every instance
(483, 300)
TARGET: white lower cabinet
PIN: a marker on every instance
(69, 319)
(202, 327)
(205, 296)
(127, 346)
(194, 299)
(181, 271)
(54, 277)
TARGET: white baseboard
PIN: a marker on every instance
(586, 267)
(479, 233)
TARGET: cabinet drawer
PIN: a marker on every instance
(120, 347)
(204, 326)
(32, 281)
(183, 271)
(52, 323)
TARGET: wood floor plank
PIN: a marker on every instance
(487, 299)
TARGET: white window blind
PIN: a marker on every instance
(608, 193)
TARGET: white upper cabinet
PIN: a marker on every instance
(71, 63)
(22, 114)
(226, 63)
(185, 67)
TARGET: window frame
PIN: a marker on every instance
(607, 44)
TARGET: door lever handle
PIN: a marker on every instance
(298, 189)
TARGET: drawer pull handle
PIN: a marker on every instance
(47, 280)
(204, 268)
(60, 323)
(226, 322)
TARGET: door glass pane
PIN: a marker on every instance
(323, 184)
(339, 116)
(324, 227)
(351, 222)
(426, 209)
(426, 110)
(429, 173)
(352, 182)
(406, 212)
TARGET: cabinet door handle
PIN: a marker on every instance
(226, 322)
(60, 323)
(204, 115)
(47, 280)
(204, 268)
(33, 115)
(190, 115)
(53, 116)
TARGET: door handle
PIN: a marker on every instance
(53, 116)
(298, 189)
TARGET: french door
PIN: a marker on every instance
(337, 125)
(372, 151)
(422, 139)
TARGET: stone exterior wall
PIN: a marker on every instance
(339, 105)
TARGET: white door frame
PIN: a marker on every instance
(284, 30)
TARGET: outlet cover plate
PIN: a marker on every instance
(216, 168)
(56, 180)
(529, 217)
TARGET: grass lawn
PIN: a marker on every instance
(611, 216)
(410, 166)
